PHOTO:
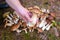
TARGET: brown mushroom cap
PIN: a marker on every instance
(35, 10)
(5, 14)
(16, 26)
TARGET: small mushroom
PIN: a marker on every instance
(48, 27)
(25, 30)
(48, 11)
(43, 9)
(18, 31)
(5, 14)
(16, 26)
(45, 25)
(24, 25)
(8, 22)
(42, 22)
(35, 11)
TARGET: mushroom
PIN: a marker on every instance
(41, 24)
(8, 23)
(24, 25)
(48, 27)
(18, 31)
(44, 26)
(45, 10)
(16, 26)
(35, 11)
(44, 23)
(5, 14)
(25, 29)
(10, 20)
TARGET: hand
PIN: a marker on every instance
(24, 14)
(21, 11)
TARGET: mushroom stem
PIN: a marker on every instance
(18, 31)
(43, 28)
(42, 23)
(25, 30)
(48, 27)
(9, 17)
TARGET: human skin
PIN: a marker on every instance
(21, 11)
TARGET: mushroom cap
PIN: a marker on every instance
(16, 26)
(35, 10)
(5, 14)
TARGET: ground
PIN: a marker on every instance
(53, 5)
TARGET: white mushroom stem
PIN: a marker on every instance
(30, 30)
(42, 23)
(48, 11)
(44, 27)
(18, 31)
(7, 24)
(48, 27)
(10, 22)
(9, 17)
(43, 9)
(25, 30)
(16, 21)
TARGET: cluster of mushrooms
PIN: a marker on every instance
(41, 20)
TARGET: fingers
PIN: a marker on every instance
(27, 17)
(21, 16)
